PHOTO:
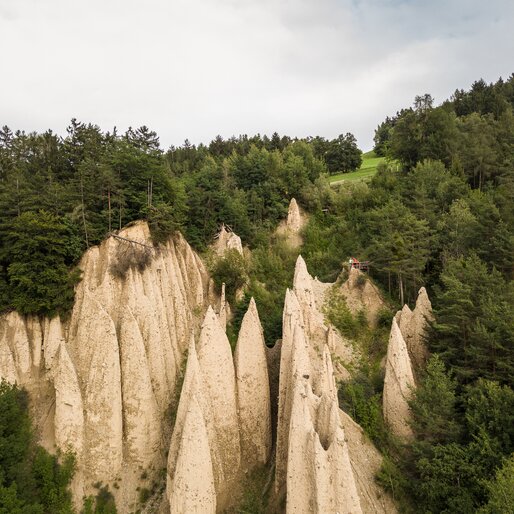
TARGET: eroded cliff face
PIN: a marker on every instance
(292, 226)
(398, 384)
(314, 468)
(102, 383)
(253, 391)
(234, 404)
(227, 240)
(406, 357)
(361, 294)
(413, 325)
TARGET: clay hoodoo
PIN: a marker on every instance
(238, 426)
(366, 461)
(219, 388)
(291, 227)
(312, 464)
(102, 385)
(253, 394)
(361, 294)
(192, 488)
(109, 373)
(398, 384)
(222, 313)
(413, 325)
(227, 240)
(294, 218)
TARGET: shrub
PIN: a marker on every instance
(130, 256)
(231, 271)
(364, 404)
(338, 313)
(102, 503)
(361, 280)
(385, 318)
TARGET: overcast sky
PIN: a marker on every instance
(197, 68)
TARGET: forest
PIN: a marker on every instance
(438, 213)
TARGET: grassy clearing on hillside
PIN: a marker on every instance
(368, 168)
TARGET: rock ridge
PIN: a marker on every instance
(101, 383)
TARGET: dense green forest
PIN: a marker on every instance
(60, 195)
(439, 213)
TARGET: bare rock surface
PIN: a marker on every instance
(227, 240)
(234, 402)
(253, 392)
(366, 461)
(398, 384)
(222, 314)
(361, 294)
(102, 382)
(295, 220)
(192, 488)
(413, 326)
(313, 469)
(215, 359)
(291, 227)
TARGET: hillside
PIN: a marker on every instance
(152, 298)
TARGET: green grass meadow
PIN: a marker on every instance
(368, 168)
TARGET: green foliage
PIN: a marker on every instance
(91, 183)
(457, 448)
(37, 249)
(360, 399)
(393, 479)
(434, 405)
(489, 419)
(399, 244)
(338, 313)
(271, 271)
(254, 496)
(342, 154)
(474, 331)
(501, 490)
(15, 431)
(102, 503)
(231, 271)
(31, 480)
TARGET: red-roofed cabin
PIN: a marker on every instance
(356, 264)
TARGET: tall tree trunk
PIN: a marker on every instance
(119, 217)
(401, 288)
(83, 209)
(109, 203)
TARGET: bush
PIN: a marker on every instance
(102, 503)
(364, 404)
(385, 318)
(361, 280)
(231, 271)
(338, 313)
(130, 256)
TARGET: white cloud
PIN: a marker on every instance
(198, 68)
